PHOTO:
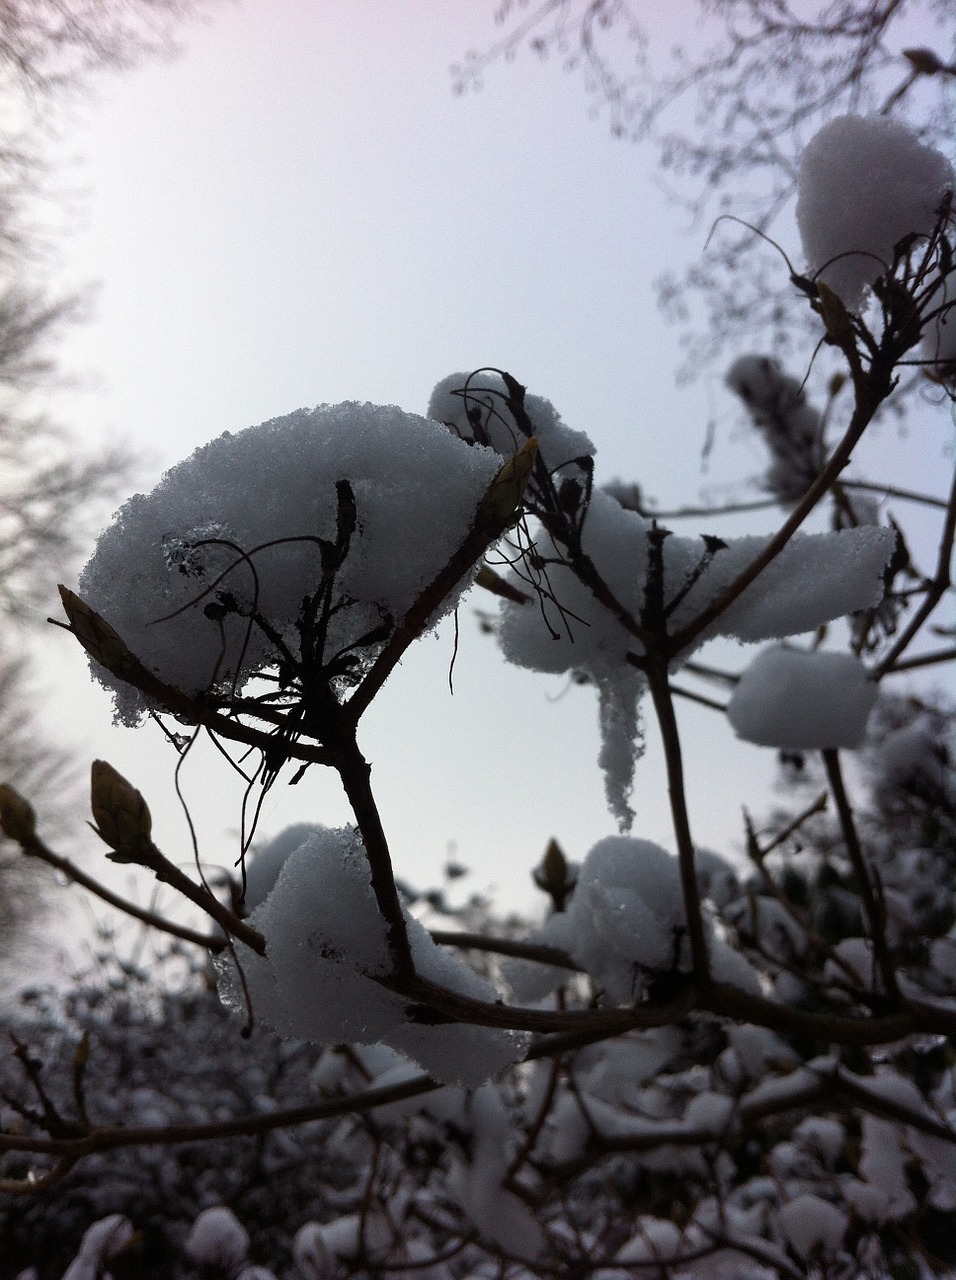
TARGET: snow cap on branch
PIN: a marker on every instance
(327, 944)
(474, 407)
(865, 183)
(816, 578)
(797, 700)
(205, 577)
(626, 921)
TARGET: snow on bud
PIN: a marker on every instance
(865, 183)
(122, 816)
(797, 701)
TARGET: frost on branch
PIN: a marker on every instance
(327, 944)
(865, 183)
(204, 578)
(797, 700)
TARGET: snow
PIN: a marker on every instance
(797, 700)
(462, 396)
(939, 336)
(882, 1166)
(101, 1242)
(267, 860)
(477, 1185)
(217, 1239)
(180, 570)
(327, 943)
(865, 183)
(626, 922)
(815, 579)
(627, 911)
(812, 1225)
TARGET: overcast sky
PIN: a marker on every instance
(297, 210)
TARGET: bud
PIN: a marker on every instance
(500, 504)
(836, 318)
(121, 814)
(96, 635)
(500, 586)
(555, 875)
(17, 818)
(924, 61)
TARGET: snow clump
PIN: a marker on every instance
(626, 924)
(813, 1226)
(244, 526)
(865, 183)
(474, 407)
(327, 943)
(797, 700)
(815, 579)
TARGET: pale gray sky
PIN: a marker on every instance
(298, 210)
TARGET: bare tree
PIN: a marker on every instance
(50, 486)
(760, 77)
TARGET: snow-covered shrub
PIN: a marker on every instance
(696, 1065)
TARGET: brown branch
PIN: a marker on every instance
(656, 669)
(923, 660)
(105, 646)
(890, 491)
(758, 857)
(700, 698)
(495, 513)
(875, 913)
(355, 771)
(823, 1092)
(871, 390)
(536, 951)
(36, 848)
(167, 872)
(941, 582)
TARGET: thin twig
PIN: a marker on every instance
(875, 914)
(36, 848)
(871, 391)
(942, 581)
(670, 737)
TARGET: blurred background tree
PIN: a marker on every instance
(729, 113)
(51, 489)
